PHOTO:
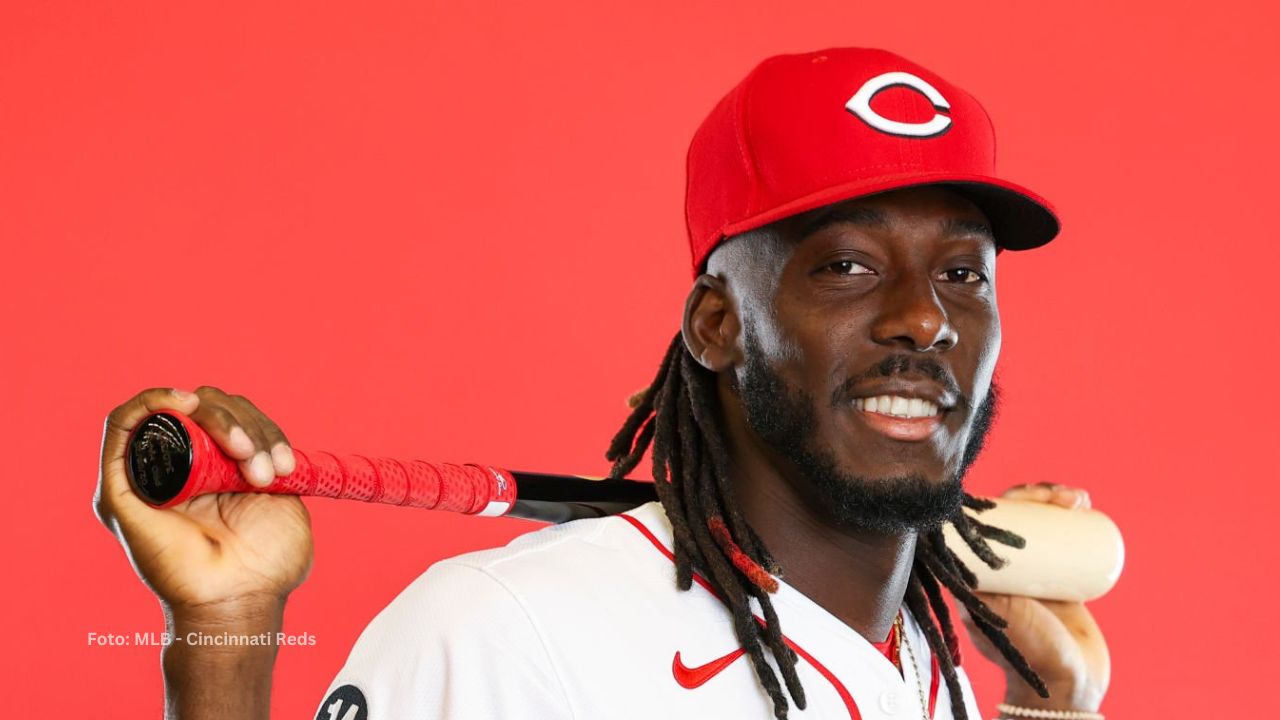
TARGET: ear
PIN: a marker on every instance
(711, 324)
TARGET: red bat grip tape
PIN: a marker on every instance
(469, 488)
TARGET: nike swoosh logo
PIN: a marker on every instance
(691, 678)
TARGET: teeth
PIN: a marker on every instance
(897, 406)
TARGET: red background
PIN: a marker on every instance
(454, 231)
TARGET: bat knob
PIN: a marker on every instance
(159, 458)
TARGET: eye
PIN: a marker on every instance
(963, 275)
(848, 267)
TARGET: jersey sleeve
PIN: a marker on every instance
(456, 644)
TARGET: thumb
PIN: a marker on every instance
(976, 635)
(999, 604)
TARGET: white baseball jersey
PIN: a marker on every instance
(584, 621)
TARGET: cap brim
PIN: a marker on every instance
(1020, 219)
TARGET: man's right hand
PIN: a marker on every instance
(214, 555)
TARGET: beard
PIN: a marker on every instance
(784, 418)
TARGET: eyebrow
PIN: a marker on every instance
(870, 217)
(968, 227)
(866, 217)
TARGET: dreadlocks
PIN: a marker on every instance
(679, 416)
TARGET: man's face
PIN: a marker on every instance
(868, 367)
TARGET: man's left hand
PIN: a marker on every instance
(1060, 640)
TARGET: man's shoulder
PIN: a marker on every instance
(540, 626)
(551, 544)
(579, 562)
(489, 633)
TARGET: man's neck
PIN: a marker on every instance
(858, 576)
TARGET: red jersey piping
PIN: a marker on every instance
(841, 690)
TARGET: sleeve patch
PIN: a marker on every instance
(346, 702)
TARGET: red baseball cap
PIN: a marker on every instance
(803, 131)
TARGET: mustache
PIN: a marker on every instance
(903, 365)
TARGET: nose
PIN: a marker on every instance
(912, 317)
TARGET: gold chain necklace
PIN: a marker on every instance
(915, 669)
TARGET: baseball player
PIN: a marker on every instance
(810, 426)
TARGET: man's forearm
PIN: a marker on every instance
(219, 662)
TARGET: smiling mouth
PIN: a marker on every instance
(900, 417)
(897, 406)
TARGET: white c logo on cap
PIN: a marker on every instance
(860, 105)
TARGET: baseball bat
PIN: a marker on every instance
(171, 459)
(1073, 555)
